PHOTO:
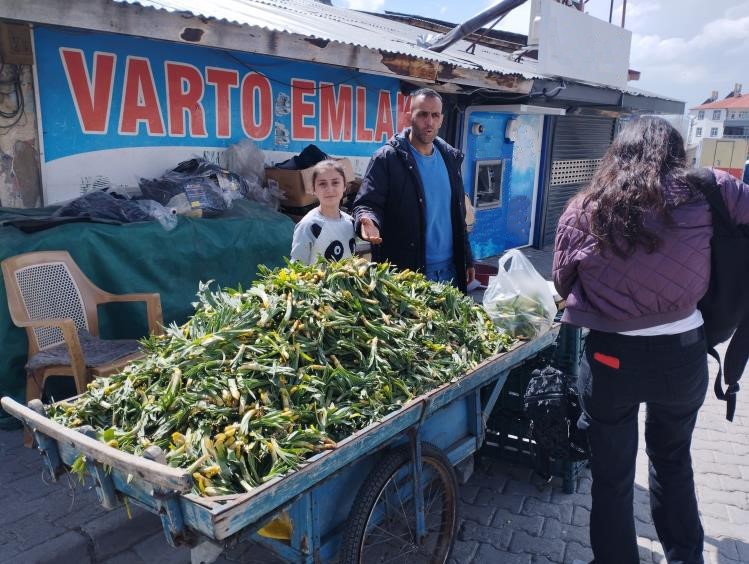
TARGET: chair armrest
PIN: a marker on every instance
(70, 334)
(153, 307)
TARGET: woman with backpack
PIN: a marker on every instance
(632, 259)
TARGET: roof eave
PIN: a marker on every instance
(612, 99)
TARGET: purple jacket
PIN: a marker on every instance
(614, 294)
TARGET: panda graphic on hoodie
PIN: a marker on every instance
(317, 235)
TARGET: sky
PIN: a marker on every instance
(684, 49)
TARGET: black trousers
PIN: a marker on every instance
(618, 373)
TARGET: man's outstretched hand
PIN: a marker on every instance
(369, 231)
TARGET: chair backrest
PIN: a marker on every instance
(46, 285)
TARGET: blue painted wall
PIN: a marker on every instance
(509, 225)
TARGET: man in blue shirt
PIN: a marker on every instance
(411, 202)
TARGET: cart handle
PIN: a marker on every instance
(154, 473)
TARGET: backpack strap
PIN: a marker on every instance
(729, 396)
(736, 358)
(704, 179)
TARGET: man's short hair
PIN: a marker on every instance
(427, 93)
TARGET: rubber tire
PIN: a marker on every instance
(370, 491)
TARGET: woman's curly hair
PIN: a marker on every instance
(627, 187)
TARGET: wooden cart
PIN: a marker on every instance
(365, 501)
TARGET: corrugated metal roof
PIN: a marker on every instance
(648, 94)
(313, 19)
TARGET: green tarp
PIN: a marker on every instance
(143, 257)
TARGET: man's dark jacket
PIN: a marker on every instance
(392, 195)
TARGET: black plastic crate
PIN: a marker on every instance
(511, 397)
(510, 440)
(508, 433)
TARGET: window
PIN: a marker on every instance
(713, 132)
(701, 114)
(487, 184)
(716, 114)
(698, 133)
(733, 115)
(743, 115)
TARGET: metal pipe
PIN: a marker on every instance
(624, 11)
(471, 25)
(611, 11)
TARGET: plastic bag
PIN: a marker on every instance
(156, 211)
(205, 196)
(209, 188)
(518, 299)
(103, 206)
(269, 197)
(247, 160)
(160, 190)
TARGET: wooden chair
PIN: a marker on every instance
(56, 303)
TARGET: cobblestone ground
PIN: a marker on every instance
(506, 517)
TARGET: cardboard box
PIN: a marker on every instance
(297, 184)
(15, 44)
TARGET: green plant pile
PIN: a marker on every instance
(521, 317)
(259, 380)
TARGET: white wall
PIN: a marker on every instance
(20, 179)
(707, 124)
(572, 44)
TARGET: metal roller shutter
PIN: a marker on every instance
(577, 147)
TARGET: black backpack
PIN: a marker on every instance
(725, 306)
(551, 403)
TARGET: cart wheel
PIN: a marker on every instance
(382, 523)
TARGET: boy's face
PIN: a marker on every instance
(329, 186)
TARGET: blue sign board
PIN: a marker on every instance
(102, 92)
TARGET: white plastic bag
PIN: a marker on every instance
(518, 299)
(248, 161)
(158, 212)
(245, 159)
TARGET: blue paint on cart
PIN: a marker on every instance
(318, 496)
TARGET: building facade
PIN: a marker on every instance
(715, 119)
(719, 133)
(116, 102)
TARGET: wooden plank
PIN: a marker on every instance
(270, 496)
(288, 553)
(105, 486)
(491, 401)
(489, 369)
(197, 517)
(172, 520)
(52, 460)
(461, 450)
(475, 420)
(207, 502)
(157, 474)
